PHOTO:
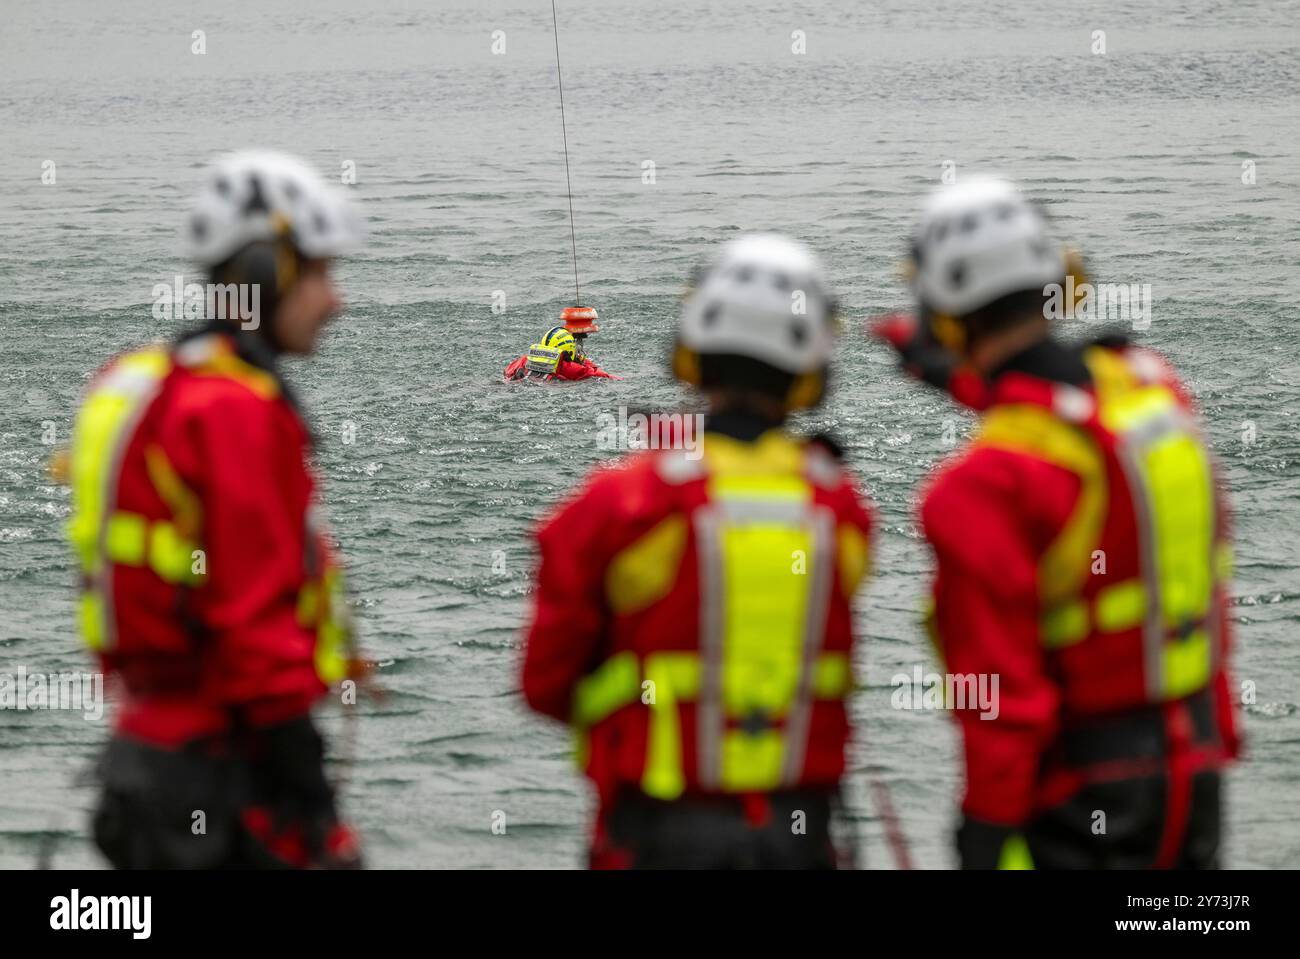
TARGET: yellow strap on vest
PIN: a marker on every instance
(1168, 473)
(132, 540)
(90, 618)
(614, 684)
(222, 361)
(1036, 431)
(671, 677)
(766, 556)
(321, 608)
(334, 631)
(1118, 607)
(774, 454)
(97, 438)
(854, 557)
(98, 532)
(105, 536)
(619, 682)
(187, 510)
(644, 572)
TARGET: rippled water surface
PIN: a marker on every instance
(1138, 154)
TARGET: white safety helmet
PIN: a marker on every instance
(256, 195)
(763, 298)
(978, 241)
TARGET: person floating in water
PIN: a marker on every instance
(559, 355)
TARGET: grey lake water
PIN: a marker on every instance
(1172, 159)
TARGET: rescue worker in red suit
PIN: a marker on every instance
(1082, 553)
(692, 617)
(555, 357)
(209, 591)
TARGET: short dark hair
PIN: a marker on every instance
(1004, 312)
(722, 370)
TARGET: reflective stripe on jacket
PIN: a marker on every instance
(693, 621)
(206, 578)
(1082, 558)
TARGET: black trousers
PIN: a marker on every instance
(1132, 812)
(1136, 816)
(182, 808)
(720, 833)
(165, 809)
(1127, 822)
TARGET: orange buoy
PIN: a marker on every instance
(580, 319)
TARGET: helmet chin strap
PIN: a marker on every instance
(949, 332)
(258, 342)
(273, 268)
(263, 335)
(770, 409)
(807, 390)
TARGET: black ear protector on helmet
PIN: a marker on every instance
(936, 328)
(809, 389)
(271, 267)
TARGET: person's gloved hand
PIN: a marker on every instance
(918, 354)
(923, 358)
